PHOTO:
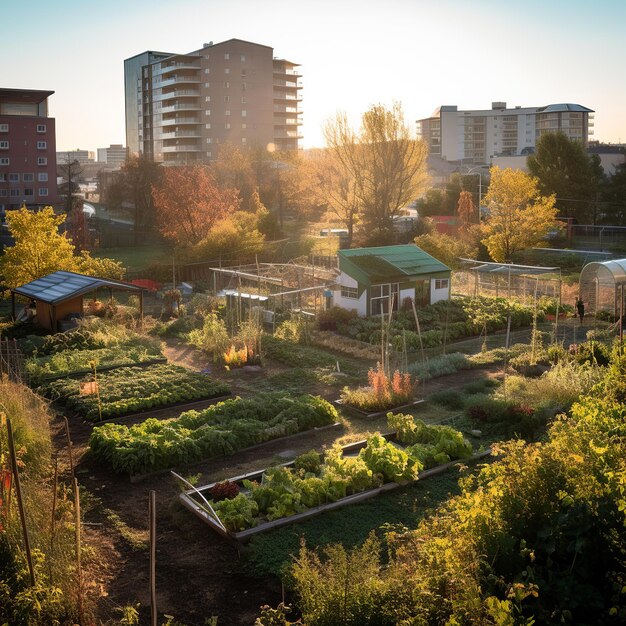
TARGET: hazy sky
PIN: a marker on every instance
(422, 53)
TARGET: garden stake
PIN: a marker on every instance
(69, 445)
(79, 568)
(152, 522)
(53, 520)
(20, 503)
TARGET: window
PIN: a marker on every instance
(244, 126)
(244, 140)
(42, 145)
(208, 154)
(28, 178)
(227, 126)
(41, 128)
(350, 292)
(243, 100)
(244, 113)
(226, 70)
(243, 86)
(15, 193)
(4, 145)
(42, 177)
(14, 178)
(43, 191)
(226, 85)
(207, 85)
(227, 112)
(207, 98)
(207, 112)
(3, 177)
(441, 283)
(243, 58)
(4, 128)
(4, 193)
(42, 161)
(226, 56)
(226, 98)
(207, 125)
(243, 73)
(4, 161)
(29, 192)
(381, 296)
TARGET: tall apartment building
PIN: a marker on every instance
(27, 149)
(181, 107)
(479, 136)
(114, 155)
(69, 156)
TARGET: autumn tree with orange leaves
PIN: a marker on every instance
(189, 202)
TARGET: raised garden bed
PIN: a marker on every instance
(361, 413)
(295, 491)
(126, 390)
(218, 430)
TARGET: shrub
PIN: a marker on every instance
(450, 398)
(440, 366)
(334, 317)
(383, 392)
(310, 462)
(212, 337)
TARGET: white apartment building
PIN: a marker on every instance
(479, 136)
(114, 155)
(69, 156)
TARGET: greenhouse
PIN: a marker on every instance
(602, 286)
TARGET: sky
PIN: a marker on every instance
(354, 54)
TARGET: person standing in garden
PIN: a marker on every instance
(580, 308)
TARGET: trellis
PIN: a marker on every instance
(507, 280)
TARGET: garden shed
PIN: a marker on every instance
(58, 297)
(602, 286)
(373, 279)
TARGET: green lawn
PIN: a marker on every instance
(136, 258)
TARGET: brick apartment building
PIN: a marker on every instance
(27, 150)
(181, 107)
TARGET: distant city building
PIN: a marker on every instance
(69, 156)
(114, 155)
(181, 107)
(27, 149)
(479, 136)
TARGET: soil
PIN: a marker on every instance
(199, 574)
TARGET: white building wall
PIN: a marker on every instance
(438, 294)
(360, 305)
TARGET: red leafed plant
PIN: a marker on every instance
(223, 491)
(383, 392)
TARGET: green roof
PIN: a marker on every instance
(389, 264)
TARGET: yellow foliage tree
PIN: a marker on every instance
(40, 250)
(519, 216)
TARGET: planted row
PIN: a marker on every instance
(129, 389)
(73, 362)
(218, 430)
(286, 491)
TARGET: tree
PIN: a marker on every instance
(563, 168)
(188, 202)
(233, 169)
(39, 250)
(519, 216)
(466, 210)
(614, 196)
(446, 248)
(71, 171)
(133, 186)
(385, 162)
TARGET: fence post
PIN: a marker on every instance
(152, 523)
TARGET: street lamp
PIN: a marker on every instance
(471, 172)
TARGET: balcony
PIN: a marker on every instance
(177, 67)
(287, 134)
(179, 80)
(289, 121)
(180, 93)
(182, 133)
(287, 96)
(185, 148)
(191, 106)
(287, 84)
(179, 120)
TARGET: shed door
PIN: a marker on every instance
(422, 292)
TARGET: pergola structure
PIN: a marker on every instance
(60, 294)
(602, 286)
(512, 280)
